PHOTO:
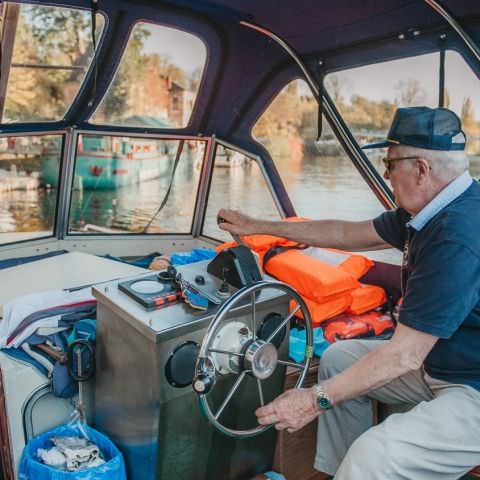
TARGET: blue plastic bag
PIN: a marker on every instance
(32, 469)
(195, 255)
(298, 341)
(274, 475)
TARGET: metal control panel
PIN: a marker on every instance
(156, 422)
(175, 319)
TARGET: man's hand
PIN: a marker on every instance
(291, 411)
(238, 223)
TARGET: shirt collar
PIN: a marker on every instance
(452, 191)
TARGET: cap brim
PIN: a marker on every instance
(383, 144)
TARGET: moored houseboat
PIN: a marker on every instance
(106, 163)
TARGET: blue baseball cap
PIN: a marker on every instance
(424, 127)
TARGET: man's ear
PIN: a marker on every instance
(423, 169)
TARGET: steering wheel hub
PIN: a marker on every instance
(260, 359)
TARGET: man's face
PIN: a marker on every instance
(400, 170)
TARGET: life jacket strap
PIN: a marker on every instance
(277, 249)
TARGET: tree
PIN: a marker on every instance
(22, 83)
(369, 114)
(410, 93)
(131, 71)
(168, 69)
(467, 115)
(61, 35)
(194, 79)
(47, 36)
(282, 116)
(335, 86)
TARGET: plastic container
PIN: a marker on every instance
(298, 342)
(32, 469)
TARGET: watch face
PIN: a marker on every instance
(323, 403)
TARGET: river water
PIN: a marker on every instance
(319, 187)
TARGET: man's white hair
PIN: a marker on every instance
(446, 165)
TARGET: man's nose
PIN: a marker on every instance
(386, 174)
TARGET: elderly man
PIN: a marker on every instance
(433, 359)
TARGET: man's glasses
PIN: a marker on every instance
(388, 162)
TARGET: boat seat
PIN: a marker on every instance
(20, 383)
(70, 270)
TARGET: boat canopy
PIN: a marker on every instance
(242, 55)
(245, 69)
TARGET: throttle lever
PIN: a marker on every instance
(235, 236)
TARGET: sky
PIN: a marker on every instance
(186, 51)
(376, 82)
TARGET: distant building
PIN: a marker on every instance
(160, 96)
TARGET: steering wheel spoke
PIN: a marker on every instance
(300, 366)
(230, 395)
(284, 322)
(260, 392)
(226, 352)
(254, 315)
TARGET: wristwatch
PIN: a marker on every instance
(322, 399)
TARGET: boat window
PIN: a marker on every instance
(238, 183)
(28, 195)
(157, 80)
(321, 180)
(134, 185)
(367, 97)
(46, 53)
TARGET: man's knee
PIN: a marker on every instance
(339, 356)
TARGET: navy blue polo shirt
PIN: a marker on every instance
(441, 282)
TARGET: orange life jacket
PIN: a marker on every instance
(327, 279)
(358, 301)
(347, 326)
(365, 298)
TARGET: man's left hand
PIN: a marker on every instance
(290, 411)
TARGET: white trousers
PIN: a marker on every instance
(438, 439)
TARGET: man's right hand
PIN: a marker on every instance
(236, 222)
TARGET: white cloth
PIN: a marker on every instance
(53, 457)
(327, 256)
(78, 452)
(18, 309)
(71, 454)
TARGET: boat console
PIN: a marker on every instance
(235, 353)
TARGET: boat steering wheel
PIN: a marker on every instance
(231, 347)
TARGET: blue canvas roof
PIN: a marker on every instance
(245, 69)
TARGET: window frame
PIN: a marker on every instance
(132, 26)
(42, 133)
(84, 84)
(210, 163)
(65, 221)
(67, 173)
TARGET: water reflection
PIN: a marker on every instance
(320, 187)
(27, 211)
(130, 208)
(242, 187)
(328, 187)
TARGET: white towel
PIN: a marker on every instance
(18, 309)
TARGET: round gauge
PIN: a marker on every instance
(146, 286)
